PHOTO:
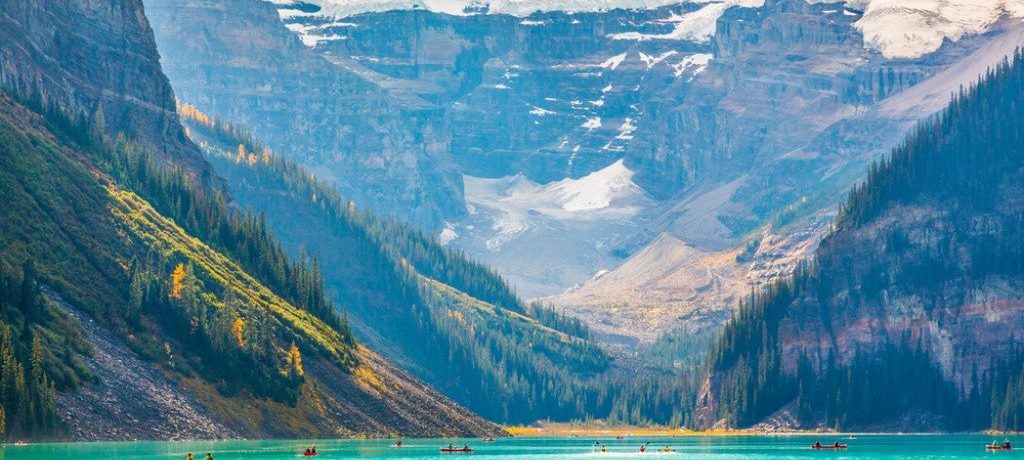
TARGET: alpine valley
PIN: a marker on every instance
(308, 219)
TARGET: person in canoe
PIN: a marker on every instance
(189, 456)
(209, 456)
(996, 446)
(398, 443)
(817, 445)
(604, 449)
(836, 445)
(666, 449)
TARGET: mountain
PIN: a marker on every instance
(914, 298)
(775, 155)
(135, 302)
(452, 322)
(134, 97)
(738, 125)
(380, 145)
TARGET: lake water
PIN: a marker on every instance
(872, 447)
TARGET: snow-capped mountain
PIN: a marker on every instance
(896, 28)
(521, 8)
(556, 141)
(910, 29)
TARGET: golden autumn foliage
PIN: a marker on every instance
(190, 112)
(238, 328)
(293, 361)
(177, 281)
(369, 379)
(240, 155)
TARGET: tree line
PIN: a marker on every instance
(938, 218)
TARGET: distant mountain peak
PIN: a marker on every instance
(895, 28)
(905, 30)
(522, 8)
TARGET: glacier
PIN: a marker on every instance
(898, 29)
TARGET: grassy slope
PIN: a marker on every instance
(509, 368)
(83, 231)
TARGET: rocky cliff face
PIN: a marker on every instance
(779, 128)
(925, 256)
(78, 216)
(89, 58)
(382, 143)
(726, 115)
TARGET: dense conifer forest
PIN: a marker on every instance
(958, 183)
(454, 320)
(140, 245)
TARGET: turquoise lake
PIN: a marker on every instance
(874, 447)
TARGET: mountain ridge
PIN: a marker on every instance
(917, 287)
(121, 256)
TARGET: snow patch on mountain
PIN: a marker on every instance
(610, 190)
(520, 8)
(652, 61)
(694, 63)
(901, 29)
(613, 62)
(447, 234)
(696, 26)
(523, 226)
(592, 123)
(595, 190)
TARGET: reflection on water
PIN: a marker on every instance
(870, 447)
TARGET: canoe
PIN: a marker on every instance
(990, 447)
(456, 450)
(828, 446)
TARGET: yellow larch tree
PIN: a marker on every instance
(238, 327)
(178, 281)
(293, 360)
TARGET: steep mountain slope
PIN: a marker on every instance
(915, 299)
(450, 321)
(138, 281)
(132, 250)
(724, 114)
(800, 168)
(381, 144)
(129, 92)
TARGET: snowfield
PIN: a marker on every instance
(610, 190)
(697, 26)
(898, 29)
(911, 29)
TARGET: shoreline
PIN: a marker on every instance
(568, 431)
